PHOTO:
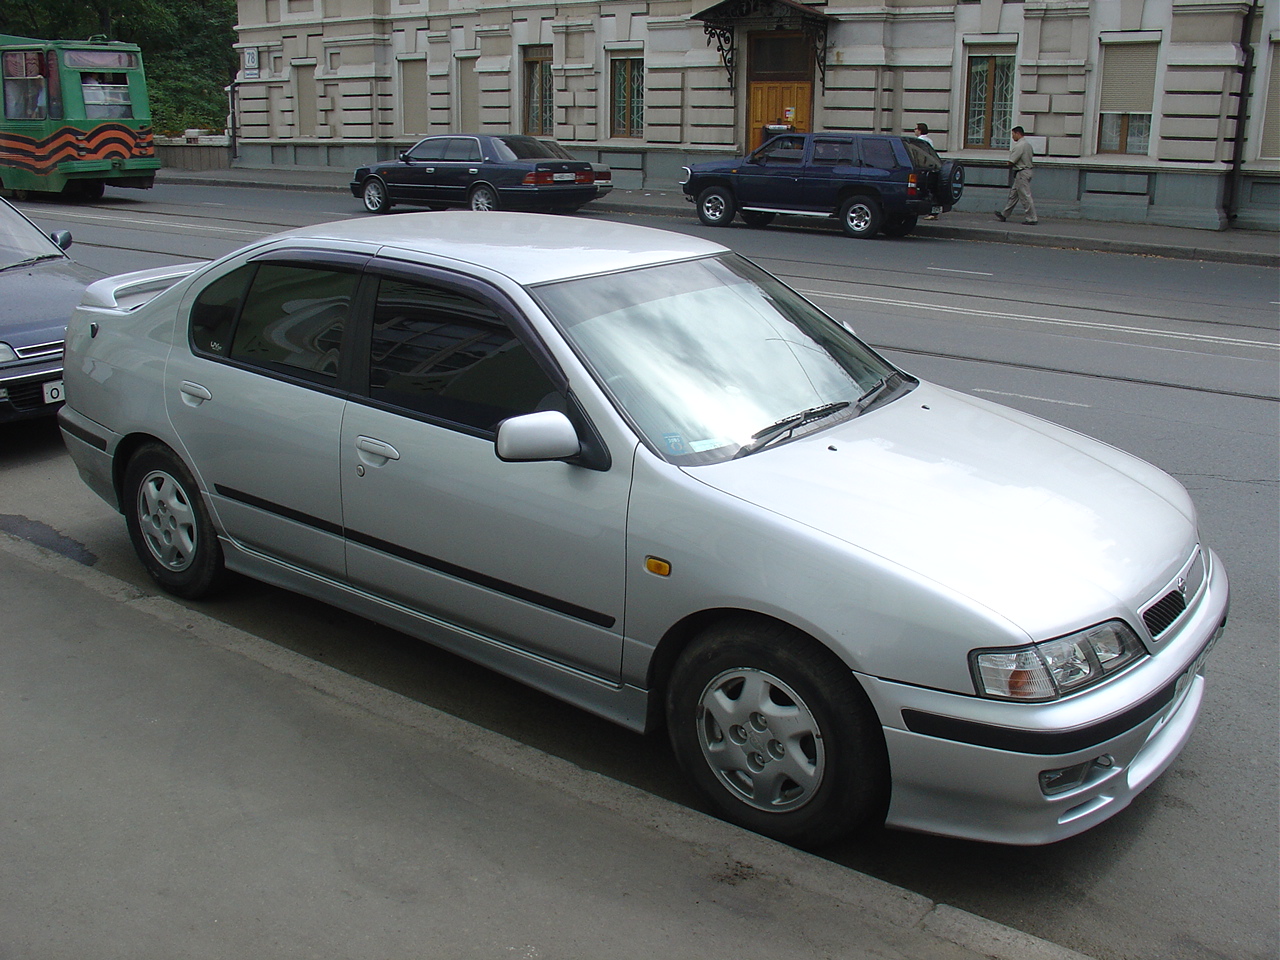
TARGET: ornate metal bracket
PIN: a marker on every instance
(721, 21)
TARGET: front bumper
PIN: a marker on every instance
(25, 390)
(969, 767)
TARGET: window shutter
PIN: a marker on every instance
(1128, 77)
(1270, 147)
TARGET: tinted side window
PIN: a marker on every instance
(429, 149)
(878, 152)
(214, 313)
(450, 356)
(782, 150)
(292, 320)
(828, 153)
(462, 148)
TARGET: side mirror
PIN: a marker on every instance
(62, 238)
(404, 156)
(547, 435)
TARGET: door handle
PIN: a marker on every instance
(193, 394)
(428, 169)
(473, 170)
(376, 452)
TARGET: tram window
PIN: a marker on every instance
(106, 96)
(24, 91)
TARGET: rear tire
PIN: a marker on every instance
(483, 198)
(755, 218)
(777, 734)
(170, 525)
(900, 227)
(861, 216)
(374, 195)
(716, 207)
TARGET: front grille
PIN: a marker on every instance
(1179, 595)
(1162, 615)
(26, 396)
(40, 351)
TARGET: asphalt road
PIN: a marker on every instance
(1174, 361)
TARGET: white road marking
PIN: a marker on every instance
(1023, 396)
(972, 273)
(1051, 321)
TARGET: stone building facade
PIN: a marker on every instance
(1156, 111)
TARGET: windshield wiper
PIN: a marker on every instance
(27, 263)
(783, 427)
(879, 390)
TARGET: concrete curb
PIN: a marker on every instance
(914, 915)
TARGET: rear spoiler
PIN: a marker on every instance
(128, 291)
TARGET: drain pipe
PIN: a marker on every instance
(1232, 205)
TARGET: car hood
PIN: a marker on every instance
(1039, 524)
(36, 300)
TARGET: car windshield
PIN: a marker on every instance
(21, 241)
(714, 358)
(523, 148)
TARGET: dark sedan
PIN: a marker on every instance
(39, 287)
(509, 172)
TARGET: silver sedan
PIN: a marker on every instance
(634, 470)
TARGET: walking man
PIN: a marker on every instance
(922, 132)
(1020, 159)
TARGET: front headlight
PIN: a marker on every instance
(1055, 668)
(6, 353)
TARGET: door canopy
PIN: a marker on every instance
(720, 22)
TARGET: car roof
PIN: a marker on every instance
(530, 248)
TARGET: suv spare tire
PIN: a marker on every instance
(950, 183)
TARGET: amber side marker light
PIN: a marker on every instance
(658, 566)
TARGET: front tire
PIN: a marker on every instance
(777, 734)
(170, 525)
(716, 207)
(861, 217)
(375, 197)
(483, 198)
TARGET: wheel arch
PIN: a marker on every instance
(127, 449)
(682, 633)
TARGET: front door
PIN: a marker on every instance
(524, 555)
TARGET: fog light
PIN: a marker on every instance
(4, 393)
(1053, 782)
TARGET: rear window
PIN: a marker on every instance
(922, 155)
(523, 148)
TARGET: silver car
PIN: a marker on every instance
(634, 470)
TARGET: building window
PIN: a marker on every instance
(539, 92)
(989, 106)
(1126, 98)
(627, 98)
(1270, 145)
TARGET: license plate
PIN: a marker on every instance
(53, 391)
(562, 176)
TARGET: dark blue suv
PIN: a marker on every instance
(873, 183)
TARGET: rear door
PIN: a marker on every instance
(458, 170)
(833, 164)
(257, 393)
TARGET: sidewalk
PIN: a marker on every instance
(174, 787)
(1246, 247)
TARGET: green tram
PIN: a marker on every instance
(76, 117)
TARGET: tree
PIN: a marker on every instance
(187, 47)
